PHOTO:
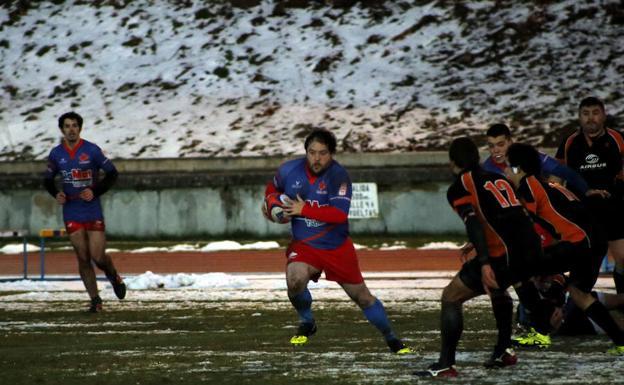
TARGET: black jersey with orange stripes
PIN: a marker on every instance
(556, 209)
(505, 221)
(598, 160)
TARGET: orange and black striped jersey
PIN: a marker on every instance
(598, 160)
(556, 209)
(493, 200)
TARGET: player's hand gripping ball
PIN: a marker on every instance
(274, 205)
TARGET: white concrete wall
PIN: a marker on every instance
(224, 210)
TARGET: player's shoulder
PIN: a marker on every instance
(90, 145)
(456, 190)
(487, 163)
(615, 134)
(292, 165)
(529, 183)
(458, 184)
(547, 160)
(57, 150)
(476, 178)
(337, 170)
(571, 136)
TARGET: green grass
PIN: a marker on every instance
(207, 342)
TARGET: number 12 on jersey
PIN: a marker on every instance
(499, 186)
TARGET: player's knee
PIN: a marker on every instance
(365, 300)
(84, 262)
(451, 294)
(100, 264)
(296, 284)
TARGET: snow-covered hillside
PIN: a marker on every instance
(250, 77)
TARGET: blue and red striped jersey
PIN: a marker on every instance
(327, 195)
(79, 168)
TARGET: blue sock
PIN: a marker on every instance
(376, 315)
(303, 304)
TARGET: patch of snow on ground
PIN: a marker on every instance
(440, 246)
(149, 280)
(18, 248)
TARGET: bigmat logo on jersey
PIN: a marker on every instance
(78, 174)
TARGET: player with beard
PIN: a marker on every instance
(595, 151)
(319, 191)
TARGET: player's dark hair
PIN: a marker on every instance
(592, 101)
(464, 153)
(498, 129)
(322, 136)
(526, 157)
(70, 115)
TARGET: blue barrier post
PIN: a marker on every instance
(25, 258)
(17, 234)
(42, 257)
(606, 267)
(43, 234)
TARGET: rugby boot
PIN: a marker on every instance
(616, 350)
(532, 339)
(501, 359)
(398, 347)
(119, 287)
(96, 305)
(305, 330)
(437, 370)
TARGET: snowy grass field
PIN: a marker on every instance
(234, 329)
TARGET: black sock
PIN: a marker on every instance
(502, 306)
(600, 315)
(451, 327)
(618, 278)
(540, 309)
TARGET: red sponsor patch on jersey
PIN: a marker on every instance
(322, 185)
(83, 157)
(80, 174)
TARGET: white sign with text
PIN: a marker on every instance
(364, 202)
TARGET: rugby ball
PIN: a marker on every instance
(274, 205)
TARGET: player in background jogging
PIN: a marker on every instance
(79, 162)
